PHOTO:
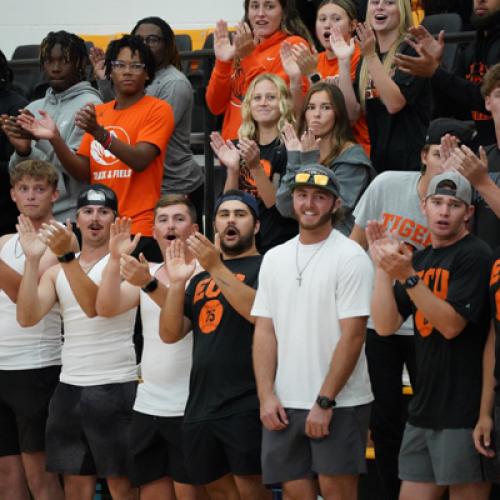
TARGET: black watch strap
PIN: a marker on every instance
(325, 403)
(67, 257)
(151, 286)
(411, 282)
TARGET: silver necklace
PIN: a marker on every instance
(300, 271)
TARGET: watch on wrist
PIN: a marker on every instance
(411, 282)
(67, 257)
(151, 286)
(315, 78)
(325, 403)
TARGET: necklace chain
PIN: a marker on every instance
(300, 271)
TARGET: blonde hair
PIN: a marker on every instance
(249, 128)
(405, 22)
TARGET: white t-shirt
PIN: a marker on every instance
(336, 284)
(165, 368)
(28, 348)
(98, 350)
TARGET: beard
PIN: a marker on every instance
(244, 243)
(485, 22)
(323, 220)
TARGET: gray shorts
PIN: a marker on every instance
(444, 457)
(289, 454)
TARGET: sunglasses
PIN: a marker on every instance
(312, 178)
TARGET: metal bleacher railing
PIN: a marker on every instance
(27, 74)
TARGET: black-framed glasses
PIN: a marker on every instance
(152, 39)
(134, 67)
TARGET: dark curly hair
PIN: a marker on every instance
(137, 46)
(73, 49)
(172, 56)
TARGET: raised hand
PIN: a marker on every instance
(250, 153)
(379, 241)
(340, 48)
(207, 254)
(136, 272)
(86, 119)
(367, 41)
(472, 167)
(119, 238)
(223, 48)
(33, 247)
(43, 128)
(18, 137)
(306, 59)
(424, 39)
(179, 267)
(96, 57)
(226, 151)
(290, 138)
(308, 141)
(244, 42)
(288, 62)
(57, 237)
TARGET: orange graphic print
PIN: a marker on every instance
(212, 310)
(495, 278)
(407, 229)
(476, 75)
(437, 280)
(247, 182)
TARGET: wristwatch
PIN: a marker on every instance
(151, 286)
(67, 257)
(314, 78)
(324, 403)
(411, 282)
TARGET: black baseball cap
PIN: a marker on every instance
(244, 197)
(98, 194)
(463, 131)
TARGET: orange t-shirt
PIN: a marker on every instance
(329, 68)
(229, 82)
(149, 120)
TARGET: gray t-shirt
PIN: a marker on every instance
(393, 199)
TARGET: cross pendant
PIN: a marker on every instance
(299, 279)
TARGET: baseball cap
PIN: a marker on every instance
(236, 194)
(317, 176)
(463, 131)
(97, 194)
(451, 184)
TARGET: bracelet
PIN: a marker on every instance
(106, 139)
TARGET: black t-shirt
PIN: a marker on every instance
(449, 372)
(486, 223)
(10, 104)
(397, 139)
(274, 228)
(495, 315)
(222, 380)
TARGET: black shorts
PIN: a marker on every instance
(156, 449)
(88, 429)
(229, 445)
(24, 402)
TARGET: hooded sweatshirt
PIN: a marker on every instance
(353, 171)
(62, 108)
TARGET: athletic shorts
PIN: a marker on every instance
(229, 445)
(289, 454)
(156, 449)
(88, 429)
(24, 402)
(444, 457)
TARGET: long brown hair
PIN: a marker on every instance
(341, 135)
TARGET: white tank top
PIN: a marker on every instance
(98, 350)
(165, 368)
(26, 348)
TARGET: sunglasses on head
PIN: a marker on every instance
(312, 178)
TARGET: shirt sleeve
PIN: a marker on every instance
(159, 125)
(354, 287)
(218, 93)
(261, 305)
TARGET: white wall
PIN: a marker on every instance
(25, 22)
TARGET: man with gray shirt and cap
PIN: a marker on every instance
(312, 304)
(445, 288)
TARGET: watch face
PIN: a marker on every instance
(324, 402)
